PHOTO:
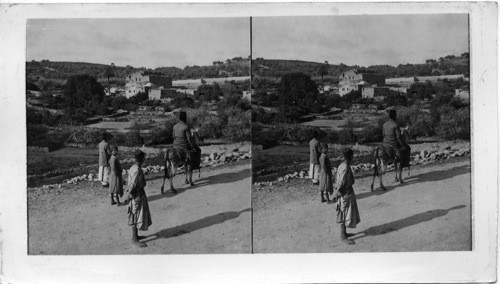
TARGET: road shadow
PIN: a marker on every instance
(212, 180)
(377, 191)
(423, 177)
(406, 222)
(196, 225)
(440, 175)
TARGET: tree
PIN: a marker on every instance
(395, 99)
(209, 92)
(322, 71)
(109, 71)
(352, 96)
(83, 91)
(297, 89)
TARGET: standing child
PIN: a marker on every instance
(347, 208)
(115, 177)
(325, 174)
(314, 153)
(104, 160)
(139, 216)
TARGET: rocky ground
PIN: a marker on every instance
(422, 153)
(213, 155)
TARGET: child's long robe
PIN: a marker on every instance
(347, 207)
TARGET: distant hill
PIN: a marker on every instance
(58, 71)
(447, 65)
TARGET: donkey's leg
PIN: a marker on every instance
(190, 171)
(167, 166)
(163, 184)
(173, 171)
(375, 173)
(396, 171)
(401, 174)
(383, 168)
(186, 171)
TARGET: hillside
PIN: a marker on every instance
(447, 65)
(57, 72)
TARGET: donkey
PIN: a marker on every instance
(384, 156)
(175, 158)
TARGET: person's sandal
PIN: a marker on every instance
(138, 244)
(348, 242)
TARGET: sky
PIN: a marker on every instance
(147, 43)
(361, 40)
(353, 40)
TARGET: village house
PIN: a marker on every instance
(141, 82)
(247, 95)
(161, 93)
(189, 92)
(462, 93)
(377, 93)
(329, 89)
(354, 80)
(115, 91)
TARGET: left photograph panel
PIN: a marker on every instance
(138, 135)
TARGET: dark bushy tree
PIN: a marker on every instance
(208, 92)
(83, 91)
(297, 89)
(352, 96)
(298, 95)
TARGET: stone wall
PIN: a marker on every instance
(38, 149)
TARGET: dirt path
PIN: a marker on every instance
(214, 216)
(431, 212)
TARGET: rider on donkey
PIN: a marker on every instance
(183, 144)
(392, 138)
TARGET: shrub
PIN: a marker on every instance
(40, 137)
(34, 116)
(267, 137)
(272, 136)
(134, 138)
(261, 116)
(347, 136)
(160, 135)
(372, 133)
(85, 135)
(455, 124)
(421, 123)
(237, 127)
(303, 134)
(211, 124)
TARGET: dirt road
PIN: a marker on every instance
(214, 216)
(431, 212)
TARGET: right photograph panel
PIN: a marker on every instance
(361, 134)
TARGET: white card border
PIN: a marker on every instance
(476, 266)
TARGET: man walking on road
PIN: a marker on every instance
(104, 155)
(314, 153)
